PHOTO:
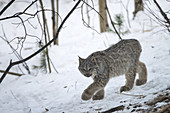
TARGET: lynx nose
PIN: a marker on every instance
(87, 75)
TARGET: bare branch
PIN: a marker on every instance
(19, 13)
(156, 18)
(12, 73)
(127, 12)
(163, 14)
(35, 53)
(118, 108)
(92, 8)
(6, 7)
(87, 11)
(14, 51)
(29, 6)
(112, 22)
(84, 22)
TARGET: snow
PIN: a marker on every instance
(56, 93)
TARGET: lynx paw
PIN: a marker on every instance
(86, 95)
(124, 88)
(140, 82)
(98, 97)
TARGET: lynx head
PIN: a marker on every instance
(86, 67)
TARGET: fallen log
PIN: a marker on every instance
(118, 108)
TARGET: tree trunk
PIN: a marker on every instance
(45, 34)
(138, 7)
(55, 19)
(103, 16)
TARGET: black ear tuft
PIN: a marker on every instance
(80, 59)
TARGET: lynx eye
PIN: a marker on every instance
(90, 69)
(82, 69)
(86, 70)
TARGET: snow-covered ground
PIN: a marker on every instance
(57, 93)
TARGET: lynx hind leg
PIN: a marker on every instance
(142, 71)
(130, 77)
(99, 95)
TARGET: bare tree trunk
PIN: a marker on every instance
(103, 17)
(45, 34)
(56, 26)
(138, 7)
(55, 18)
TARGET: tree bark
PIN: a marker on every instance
(103, 17)
(56, 26)
(45, 34)
(138, 7)
(55, 18)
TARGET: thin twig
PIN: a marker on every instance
(143, 96)
(157, 19)
(19, 13)
(12, 73)
(127, 12)
(84, 22)
(87, 11)
(92, 8)
(112, 22)
(38, 51)
(163, 14)
(14, 51)
(53, 66)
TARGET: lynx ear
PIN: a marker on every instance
(80, 59)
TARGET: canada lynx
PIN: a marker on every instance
(121, 58)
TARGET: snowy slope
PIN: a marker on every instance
(57, 93)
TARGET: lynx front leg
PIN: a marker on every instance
(130, 77)
(99, 95)
(142, 71)
(93, 88)
(88, 93)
